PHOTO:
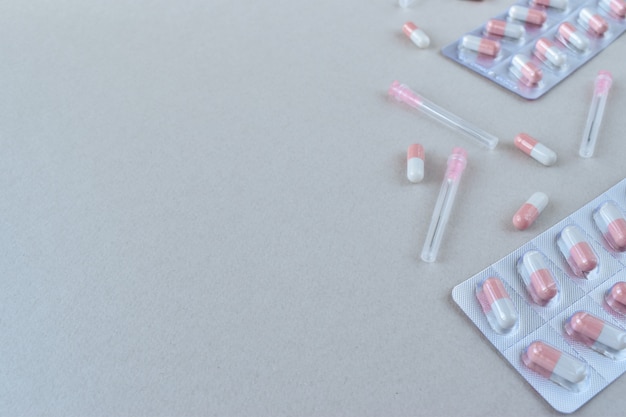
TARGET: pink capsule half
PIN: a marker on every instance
(576, 250)
(612, 225)
(616, 297)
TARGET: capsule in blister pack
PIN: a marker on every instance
(497, 305)
(555, 365)
(596, 333)
(615, 297)
(618, 7)
(577, 251)
(612, 225)
(539, 280)
(541, 42)
(481, 45)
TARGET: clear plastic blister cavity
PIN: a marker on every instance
(555, 308)
(536, 44)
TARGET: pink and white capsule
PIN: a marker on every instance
(556, 4)
(526, 70)
(573, 36)
(524, 14)
(538, 151)
(591, 20)
(415, 163)
(595, 332)
(553, 364)
(615, 297)
(530, 210)
(504, 28)
(612, 224)
(547, 50)
(498, 307)
(539, 280)
(576, 250)
(616, 6)
(417, 35)
(481, 45)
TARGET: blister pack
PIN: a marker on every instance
(536, 44)
(555, 308)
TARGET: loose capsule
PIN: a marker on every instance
(615, 297)
(591, 20)
(481, 45)
(596, 333)
(524, 14)
(616, 6)
(558, 366)
(526, 70)
(530, 210)
(531, 147)
(504, 28)
(570, 35)
(547, 50)
(498, 307)
(612, 224)
(538, 278)
(579, 254)
(415, 163)
(556, 4)
(417, 35)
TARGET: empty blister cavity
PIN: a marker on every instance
(572, 37)
(578, 253)
(525, 70)
(557, 366)
(612, 224)
(497, 305)
(617, 7)
(526, 215)
(547, 50)
(527, 15)
(481, 45)
(504, 28)
(539, 280)
(591, 20)
(596, 333)
(615, 297)
(556, 4)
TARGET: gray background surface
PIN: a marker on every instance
(205, 212)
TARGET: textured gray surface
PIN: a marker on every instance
(205, 212)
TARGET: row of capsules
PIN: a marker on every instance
(543, 289)
(534, 37)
